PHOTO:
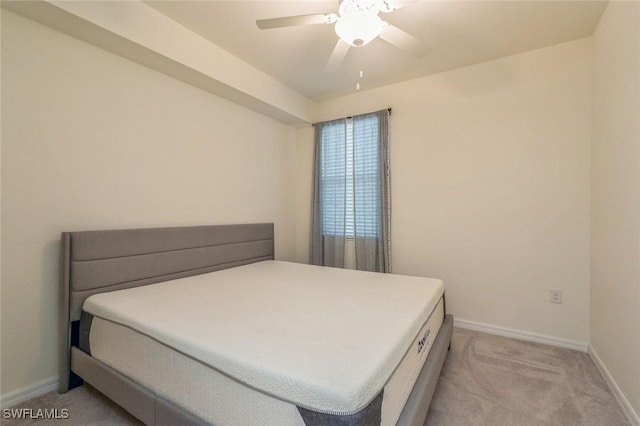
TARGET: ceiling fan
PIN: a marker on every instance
(356, 24)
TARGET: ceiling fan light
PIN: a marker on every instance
(359, 29)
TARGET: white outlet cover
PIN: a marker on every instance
(555, 295)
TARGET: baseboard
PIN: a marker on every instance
(19, 396)
(521, 335)
(622, 400)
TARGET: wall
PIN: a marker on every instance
(490, 185)
(94, 141)
(615, 205)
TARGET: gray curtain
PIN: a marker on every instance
(351, 203)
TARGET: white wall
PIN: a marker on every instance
(615, 206)
(490, 185)
(93, 141)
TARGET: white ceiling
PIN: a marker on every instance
(458, 33)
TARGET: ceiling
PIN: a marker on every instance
(457, 33)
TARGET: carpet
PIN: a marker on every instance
(492, 380)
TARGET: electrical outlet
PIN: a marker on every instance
(555, 295)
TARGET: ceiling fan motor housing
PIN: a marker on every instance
(359, 28)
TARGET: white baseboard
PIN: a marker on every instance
(622, 400)
(521, 335)
(19, 396)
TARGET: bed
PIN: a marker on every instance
(200, 325)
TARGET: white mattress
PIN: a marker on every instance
(321, 338)
(217, 398)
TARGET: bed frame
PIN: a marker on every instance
(100, 261)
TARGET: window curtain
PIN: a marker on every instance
(351, 203)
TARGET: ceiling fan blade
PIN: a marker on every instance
(337, 56)
(290, 21)
(403, 40)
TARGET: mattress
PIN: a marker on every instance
(271, 340)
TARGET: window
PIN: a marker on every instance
(351, 199)
(349, 173)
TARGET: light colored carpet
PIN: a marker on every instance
(492, 380)
(486, 380)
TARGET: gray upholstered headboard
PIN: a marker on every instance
(100, 261)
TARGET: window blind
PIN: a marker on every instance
(350, 182)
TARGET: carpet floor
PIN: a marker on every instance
(486, 380)
(492, 380)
